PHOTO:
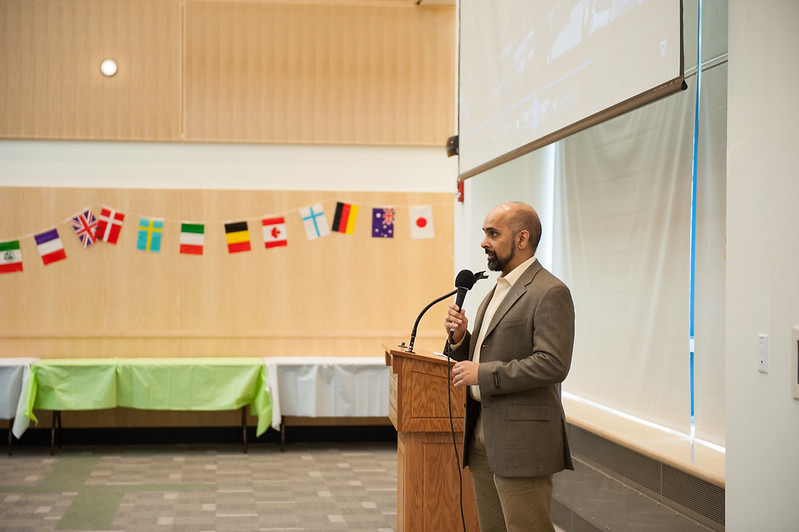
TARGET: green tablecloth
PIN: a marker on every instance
(151, 384)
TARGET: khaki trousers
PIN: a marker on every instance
(508, 504)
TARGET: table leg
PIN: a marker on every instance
(10, 424)
(56, 427)
(282, 437)
(244, 427)
(52, 433)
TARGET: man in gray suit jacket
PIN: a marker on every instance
(513, 362)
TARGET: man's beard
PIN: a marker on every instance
(497, 264)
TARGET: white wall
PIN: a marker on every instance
(225, 166)
(762, 265)
(528, 179)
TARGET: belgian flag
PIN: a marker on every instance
(237, 236)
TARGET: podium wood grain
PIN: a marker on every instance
(427, 467)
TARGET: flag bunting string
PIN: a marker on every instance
(105, 225)
(222, 222)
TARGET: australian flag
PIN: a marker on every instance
(382, 222)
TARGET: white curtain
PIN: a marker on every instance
(623, 198)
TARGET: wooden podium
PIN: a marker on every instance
(427, 471)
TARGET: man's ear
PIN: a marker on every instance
(524, 239)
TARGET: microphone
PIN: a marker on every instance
(464, 281)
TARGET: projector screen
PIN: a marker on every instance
(532, 72)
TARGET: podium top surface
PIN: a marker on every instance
(416, 354)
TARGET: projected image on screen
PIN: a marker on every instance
(531, 69)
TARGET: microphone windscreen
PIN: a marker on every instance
(464, 279)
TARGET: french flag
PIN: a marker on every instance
(50, 247)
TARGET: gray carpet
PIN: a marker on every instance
(311, 487)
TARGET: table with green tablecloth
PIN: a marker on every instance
(150, 384)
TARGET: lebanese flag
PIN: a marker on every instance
(50, 246)
(275, 235)
(10, 257)
(192, 238)
(109, 225)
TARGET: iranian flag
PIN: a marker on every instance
(192, 238)
(10, 257)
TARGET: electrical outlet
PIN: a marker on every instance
(762, 353)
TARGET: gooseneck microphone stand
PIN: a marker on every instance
(409, 348)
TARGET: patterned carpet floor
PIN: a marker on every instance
(309, 487)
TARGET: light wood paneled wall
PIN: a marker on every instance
(50, 55)
(224, 71)
(341, 295)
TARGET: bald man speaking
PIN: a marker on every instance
(513, 361)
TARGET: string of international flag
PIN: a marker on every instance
(107, 226)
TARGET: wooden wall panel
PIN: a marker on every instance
(309, 72)
(342, 295)
(52, 88)
(379, 73)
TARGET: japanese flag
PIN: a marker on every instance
(421, 219)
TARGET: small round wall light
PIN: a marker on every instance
(108, 67)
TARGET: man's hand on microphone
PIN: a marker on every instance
(456, 323)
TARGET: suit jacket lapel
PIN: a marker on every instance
(516, 291)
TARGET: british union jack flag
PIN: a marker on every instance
(85, 225)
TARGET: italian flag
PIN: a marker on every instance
(10, 257)
(192, 238)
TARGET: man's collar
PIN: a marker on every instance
(517, 272)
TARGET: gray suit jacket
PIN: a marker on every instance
(525, 355)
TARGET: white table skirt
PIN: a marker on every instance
(328, 387)
(300, 386)
(14, 374)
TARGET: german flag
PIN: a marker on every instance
(237, 236)
(344, 219)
